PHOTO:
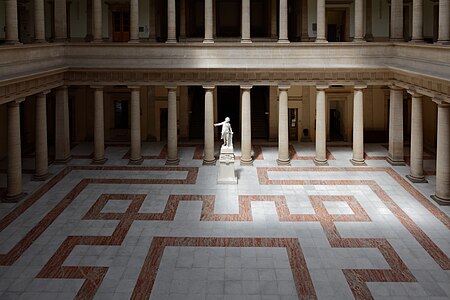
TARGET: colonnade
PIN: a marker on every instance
(396, 21)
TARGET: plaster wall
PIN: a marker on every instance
(78, 21)
(380, 18)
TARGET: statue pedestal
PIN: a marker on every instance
(226, 166)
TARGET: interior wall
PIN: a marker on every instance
(78, 20)
(2, 19)
(3, 131)
(380, 18)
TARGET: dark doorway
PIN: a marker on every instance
(293, 124)
(260, 18)
(228, 18)
(295, 20)
(163, 119)
(260, 112)
(228, 105)
(196, 112)
(335, 125)
(337, 27)
(121, 26)
(161, 20)
(195, 18)
(121, 114)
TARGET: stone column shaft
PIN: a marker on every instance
(14, 172)
(99, 126)
(321, 133)
(11, 22)
(172, 134)
(39, 21)
(417, 21)
(359, 21)
(245, 30)
(444, 21)
(41, 164)
(396, 20)
(283, 127)
(135, 151)
(358, 126)
(62, 134)
(134, 21)
(171, 22)
(396, 156)
(60, 20)
(321, 37)
(208, 22)
(246, 128)
(98, 20)
(283, 36)
(209, 158)
(416, 158)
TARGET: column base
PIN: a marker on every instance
(358, 162)
(94, 41)
(397, 40)
(172, 162)
(395, 162)
(208, 41)
(62, 161)
(441, 201)
(43, 177)
(207, 162)
(323, 41)
(442, 42)
(14, 198)
(40, 41)
(246, 41)
(246, 162)
(283, 162)
(320, 162)
(359, 40)
(136, 162)
(416, 179)
(283, 41)
(171, 41)
(135, 41)
(99, 161)
(12, 42)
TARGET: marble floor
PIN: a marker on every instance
(155, 232)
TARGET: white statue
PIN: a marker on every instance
(227, 132)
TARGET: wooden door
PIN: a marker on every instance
(121, 26)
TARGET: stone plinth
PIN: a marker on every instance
(226, 167)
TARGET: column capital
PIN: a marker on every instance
(395, 87)
(284, 86)
(171, 87)
(414, 93)
(44, 92)
(246, 86)
(359, 86)
(441, 102)
(209, 86)
(16, 101)
(97, 87)
(322, 86)
(134, 87)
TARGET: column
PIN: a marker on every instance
(135, 151)
(99, 126)
(209, 158)
(416, 158)
(417, 21)
(305, 35)
(151, 21)
(283, 37)
(14, 172)
(39, 22)
(60, 21)
(395, 156)
(442, 195)
(134, 21)
(321, 38)
(283, 127)
(183, 20)
(41, 157)
(98, 20)
(245, 30)
(321, 134)
(171, 22)
(358, 126)
(246, 127)
(369, 35)
(172, 135)
(359, 21)
(273, 19)
(11, 22)
(444, 22)
(396, 29)
(208, 22)
(62, 135)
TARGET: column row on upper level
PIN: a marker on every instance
(225, 20)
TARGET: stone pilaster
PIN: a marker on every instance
(98, 20)
(11, 22)
(444, 22)
(14, 172)
(60, 20)
(246, 127)
(416, 158)
(359, 21)
(417, 21)
(283, 37)
(135, 151)
(358, 126)
(396, 156)
(321, 133)
(172, 134)
(209, 158)
(41, 159)
(62, 134)
(245, 30)
(209, 22)
(134, 21)
(171, 22)
(396, 28)
(283, 127)
(39, 21)
(99, 126)
(442, 195)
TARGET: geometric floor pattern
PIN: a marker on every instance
(157, 232)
